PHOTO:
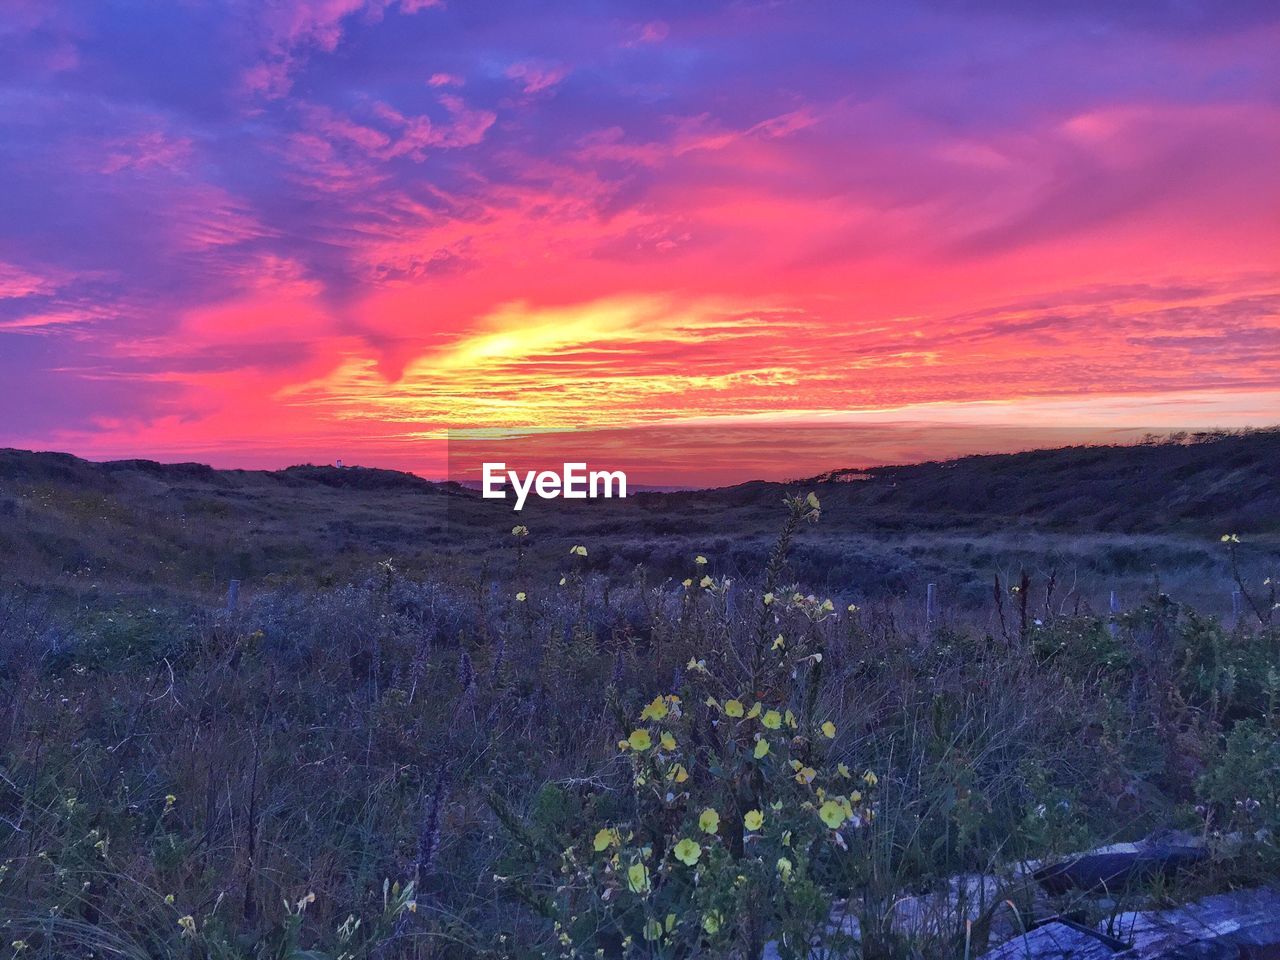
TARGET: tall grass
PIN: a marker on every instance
(408, 767)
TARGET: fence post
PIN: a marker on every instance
(233, 595)
(931, 604)
(1115, 610)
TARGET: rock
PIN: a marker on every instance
(1244, 925)
(1114, 868)
(1058, 940)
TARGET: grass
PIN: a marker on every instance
(423, 756)
(448, 762)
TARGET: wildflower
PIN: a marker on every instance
(805, 775)
(579, 550)
(520, 596)
(843, 770)
(699, 665)
(656, 710)
(853, 608)
(520, 530)
(638, 878)
(755, 710)
(605, 838)
(687, 582)
(772, 720)
(652, 930)
(18, 946)
(812, 501)
(168, 899)
(563, 581)
(832, 814)
(667, 740)
(870, 779)
(169, 801)
(856, 796)
(829, 730)
(779, 643)
(784, 868)
(733, 708)
(679, 774)
(1230, 538)
(705, 582)
(700, 560)
(762, 749)
(753, 820)
(640, 739)
(188, 925)
(688, 851)
(791, 719)
(709, 821)
(768, 598)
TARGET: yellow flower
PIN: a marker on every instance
(168, 899)
(652, 930)
(784, 868)
(768, 598)
(688, 851)
(856, 796)
(520, 530)
(709, 821)
(853, 608)
(754, 711)
(753, 820)
(812, 501)
(733, 708)
(762, 749)
(870, 779)
(772, 719)
(603, 840)
(700, 560)
(667, 740)
(656, 710)
(520, 596)
(188, 925)
(687, 582)
(805, 775)
(563, 581)
(640, 739)
(679, 774)
(705, 582)
(832, 814)
(711, 922)
(638, 878)
(578, 550)
(843, 770)
(779, 643)
(829, 730)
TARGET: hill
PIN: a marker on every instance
(69, 524)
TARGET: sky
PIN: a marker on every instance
(256, 234)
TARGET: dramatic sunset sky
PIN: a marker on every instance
(264, 233)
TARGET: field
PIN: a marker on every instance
(687, 724)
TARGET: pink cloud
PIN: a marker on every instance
(536, 77)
